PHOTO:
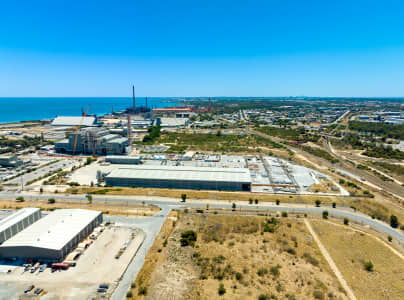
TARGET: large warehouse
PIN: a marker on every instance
(52, 237)
(18, 221)
(206, 178)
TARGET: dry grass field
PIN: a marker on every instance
(252, 257)
(154, 258)
(111, 208)
(351, 250)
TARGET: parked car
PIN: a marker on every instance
(28, 289)
(38, 291)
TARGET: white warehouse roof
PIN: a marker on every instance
(53, 231)
(183, 173)
(73, 121)
(16, 217)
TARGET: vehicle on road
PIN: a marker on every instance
(28, 289)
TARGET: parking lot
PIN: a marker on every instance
(97, 265)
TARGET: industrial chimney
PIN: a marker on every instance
(134, 98)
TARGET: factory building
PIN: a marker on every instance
(18, 221)
(93, 141)
(124, 160)
(206, 178)
(75, 121)
(10, 161)
(176, 112)
(52, 237)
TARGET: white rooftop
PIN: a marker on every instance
(183, 173)
(16, 217)
(73, 121)
(53, 231)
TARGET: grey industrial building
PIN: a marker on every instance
(52, 237)
(10, 161)
(93, 141)
(87, 121)
(18, 221)
(124, 160)
(206, 178)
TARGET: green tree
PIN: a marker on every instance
(20, 199)
(188, 238)
(394, 221)
(233, 206)
(90, 199)
(346, 221)
(325, 214)
(334, 205)
(183, 197)
(368, 266)
(318, 202)
(51, 200)
(277, 202)
(221, 290)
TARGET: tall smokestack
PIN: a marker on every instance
(134, 98)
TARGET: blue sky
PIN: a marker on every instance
(202, 48)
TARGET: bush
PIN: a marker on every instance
(51, 200)
(346, 221)
(394, 221)
(142, 290)
(233, 206)
(310, 259)
(262, 271)
(390, 238)
(188, 238)
(183, 197)
(250, 201)
(318, 202)
(325, 214)
(256, 201)
(129, 294)
(284, 214)
(291, 251)
(277, 202)
(275, 270)
(334, 205)
(368, 266)
(20, 199)
(263, 297)
(318, 295)
(221, 290)
(239, 276)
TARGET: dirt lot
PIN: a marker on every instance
(243, 254)
(96, 265)
(351, 249)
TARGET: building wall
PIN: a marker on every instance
(179, 184)
(16, 228)
(50, 255)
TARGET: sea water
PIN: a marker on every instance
(27, 109)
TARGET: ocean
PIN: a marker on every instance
(27, 109)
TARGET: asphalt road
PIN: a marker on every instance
(175, 203)
(393, 189)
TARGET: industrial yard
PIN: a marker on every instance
(198, 171)
(102, 261)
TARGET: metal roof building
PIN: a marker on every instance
(18, 221)
(74, 121)
(52, 237)
(233, 179)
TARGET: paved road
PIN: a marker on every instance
(174, 203)
(151, 226)
(345, 168)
